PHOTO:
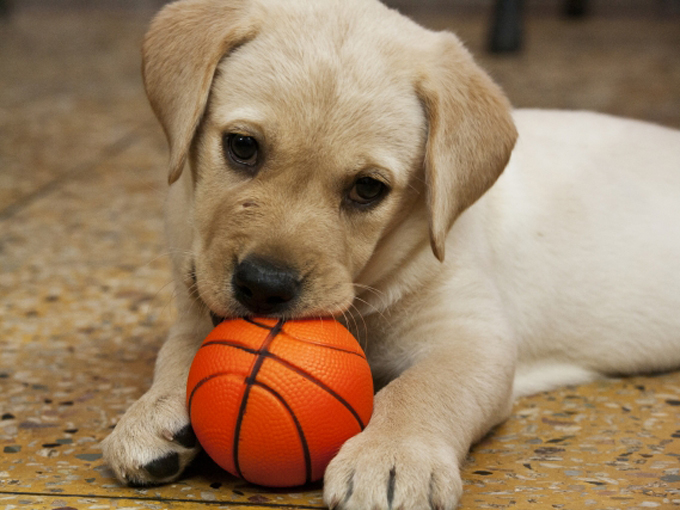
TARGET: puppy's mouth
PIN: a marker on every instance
(217, 319)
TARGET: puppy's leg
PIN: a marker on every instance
(423, 424)
(154, 442)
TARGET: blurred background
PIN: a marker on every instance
(70, 84)
(616, 56)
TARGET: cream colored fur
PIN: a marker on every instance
(489, 270)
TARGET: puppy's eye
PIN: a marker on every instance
(367, 191)
(241, 149)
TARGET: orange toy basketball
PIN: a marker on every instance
(272, 401)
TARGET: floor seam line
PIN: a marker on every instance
(164, 500)
(50, 187)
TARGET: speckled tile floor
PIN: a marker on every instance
(85, 293)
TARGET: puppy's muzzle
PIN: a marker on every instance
(265, 287)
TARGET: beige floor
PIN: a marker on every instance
(85, 294)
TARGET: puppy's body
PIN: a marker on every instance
(380, 143)
(593, 232)
(576, 246)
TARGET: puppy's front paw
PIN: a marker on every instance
(378, 472)
(153, 442)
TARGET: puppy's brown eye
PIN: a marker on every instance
(241, 149)
(367, 191)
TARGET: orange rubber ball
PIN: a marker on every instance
(272, 401)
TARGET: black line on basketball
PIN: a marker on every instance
(250, 380)
(320, 384)
(237, 345)
(259, 324)
(231, 343)
(298, 426)
(318, 344)
(201, 383)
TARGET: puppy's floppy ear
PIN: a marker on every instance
(470, 133)
(181, 50)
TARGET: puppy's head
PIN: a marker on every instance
(314, 131)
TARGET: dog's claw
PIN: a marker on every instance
(153, 442)
(431, 497)
(412, 474)
(390, 487)
(131, 481)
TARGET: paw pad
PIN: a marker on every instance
(163, 467)
(186, 437)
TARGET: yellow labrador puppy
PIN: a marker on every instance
(332, 158)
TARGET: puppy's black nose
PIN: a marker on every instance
(265, 287)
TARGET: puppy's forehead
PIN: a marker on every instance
(327, 74)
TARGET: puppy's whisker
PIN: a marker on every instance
(351, 323)
(377, 311)
(373, 308)
(195, 294)
(170, 301)
(157, 304)
(349, 320)
(362, 336)
(203, 308)
(378, 294)
(160, 290)
(369, 288)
